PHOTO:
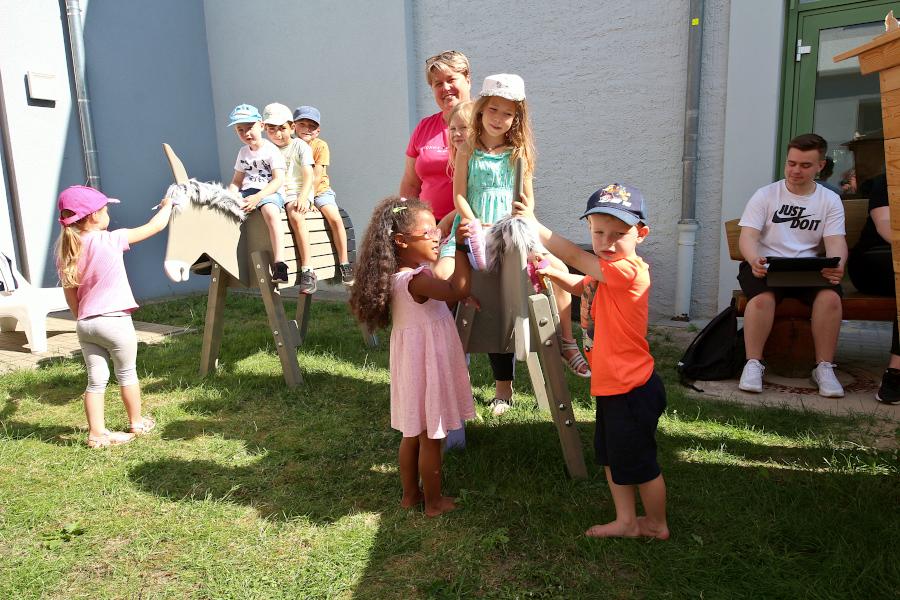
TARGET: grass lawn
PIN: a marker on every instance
(248, 489)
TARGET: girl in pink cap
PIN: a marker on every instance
(92, 272)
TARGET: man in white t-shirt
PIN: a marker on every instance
(791, 218)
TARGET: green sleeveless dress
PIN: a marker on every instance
(489, 191)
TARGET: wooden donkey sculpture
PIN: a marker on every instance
(513, 318)
(207, 240)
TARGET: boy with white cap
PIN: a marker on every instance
(258, 176)
(298, 185)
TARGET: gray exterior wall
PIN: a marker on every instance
(605, 81)
(606, 84)
(348, 59)
(46, 149)
(751, 123)
(148, 79)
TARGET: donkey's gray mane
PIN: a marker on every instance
(510, 232)
(211, 194)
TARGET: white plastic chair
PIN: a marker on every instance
(29, 306)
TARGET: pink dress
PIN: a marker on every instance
(430, 388)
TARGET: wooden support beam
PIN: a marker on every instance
(278, 321)
(215, 321)
(559, 400)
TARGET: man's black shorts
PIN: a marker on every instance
(625, 435)
(754, 286)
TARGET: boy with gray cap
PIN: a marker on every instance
(630, 395)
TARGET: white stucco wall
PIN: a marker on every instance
(605, 83)
(349, 59)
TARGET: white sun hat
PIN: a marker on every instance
(276, 114)
(505, 85)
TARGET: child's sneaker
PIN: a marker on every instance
(751, 377)
(306, 281)
(889, 392)
(346, 274)
(499, 406)
(280, 272)
(823, 376)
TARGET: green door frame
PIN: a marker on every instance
(803, 22)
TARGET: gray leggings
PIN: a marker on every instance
(105, 337)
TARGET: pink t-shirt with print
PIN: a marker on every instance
(429, 145)
(103, 286)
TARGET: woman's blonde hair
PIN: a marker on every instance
(68, 250)
(464, 111)
(450, 60)
(519, 135)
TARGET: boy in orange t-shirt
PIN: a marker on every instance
(630, 395)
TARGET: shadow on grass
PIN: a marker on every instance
(815, 524)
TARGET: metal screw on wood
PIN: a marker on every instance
(562, 407)
(542, 322)
(261, 280)
(548, 342)
(568, 422)
(275, 332)
(258, 267)
(214, 279)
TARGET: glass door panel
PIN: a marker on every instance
(847, 111)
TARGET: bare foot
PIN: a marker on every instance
(614, 529)
(650, 529)
(443, 505)
(412, 501)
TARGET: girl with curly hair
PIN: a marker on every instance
(430, 389)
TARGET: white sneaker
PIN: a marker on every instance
(829, 386)
(751, 377)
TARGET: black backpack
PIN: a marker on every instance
(716, 353)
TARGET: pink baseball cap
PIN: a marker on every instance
(82, 201)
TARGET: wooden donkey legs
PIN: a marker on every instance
(284, 331)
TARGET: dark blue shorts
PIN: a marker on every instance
(625, 435)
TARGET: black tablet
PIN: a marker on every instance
(811, 263)
(799, 272)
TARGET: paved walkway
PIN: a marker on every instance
(862, 355)
(62, 341)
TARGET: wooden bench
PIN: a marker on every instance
(324, 261)
(789, 350)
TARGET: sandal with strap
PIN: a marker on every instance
(109, 438)
(575, 362)
(144, 427)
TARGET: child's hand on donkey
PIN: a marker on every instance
(523, 209)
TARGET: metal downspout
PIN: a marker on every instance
(688, 224)
(76, 47)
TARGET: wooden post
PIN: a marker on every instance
(212, 330)
(557, 392)
(278, 322)
(882, 55)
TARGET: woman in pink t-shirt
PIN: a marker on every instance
(426, 175)
(92, 272)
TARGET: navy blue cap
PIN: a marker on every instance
(308, 112)
(619, 200)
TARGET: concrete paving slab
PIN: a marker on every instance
(62, 341)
